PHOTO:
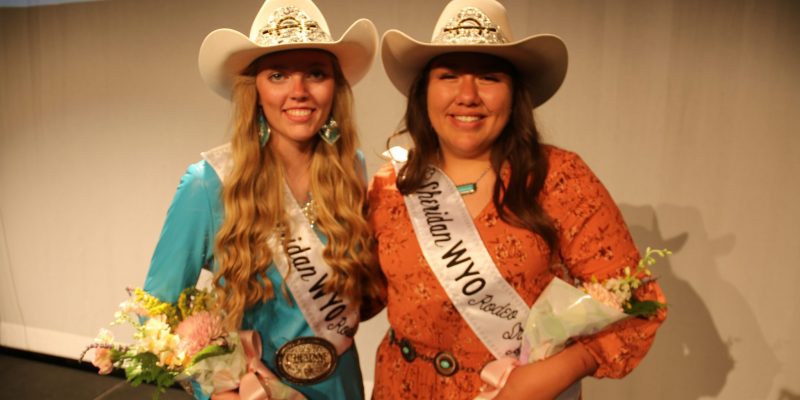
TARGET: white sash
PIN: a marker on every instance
(328, 314)
(457, 256)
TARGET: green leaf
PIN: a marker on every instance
(144, 368)
(209, 351)
(157, 393)
(643, 308)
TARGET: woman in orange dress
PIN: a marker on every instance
(527, 205)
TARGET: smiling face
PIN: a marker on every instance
(469, 99)
(295, 91)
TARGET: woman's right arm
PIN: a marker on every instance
(187, 239)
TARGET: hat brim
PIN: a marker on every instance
(541, 60)
(226, 53)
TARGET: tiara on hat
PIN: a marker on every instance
(290, 25)
(470, 26)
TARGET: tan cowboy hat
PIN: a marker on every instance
(284, 25)
(478, 26)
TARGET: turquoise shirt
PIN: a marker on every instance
(186, 245)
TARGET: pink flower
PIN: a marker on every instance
(198, 331)
(603, 295)
(102, 360)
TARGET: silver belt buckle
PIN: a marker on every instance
(306, 360)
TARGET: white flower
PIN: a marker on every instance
(155, 337)
(104, 337)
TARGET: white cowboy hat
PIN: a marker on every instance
(284, 25)
(478, 26)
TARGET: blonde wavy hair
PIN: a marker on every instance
(254, 207)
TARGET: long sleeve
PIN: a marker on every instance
(187, 239)
(594, 241)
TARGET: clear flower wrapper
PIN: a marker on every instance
(220, 373)
(562, 312)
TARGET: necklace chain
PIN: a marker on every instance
(472, 187)
(483, 174)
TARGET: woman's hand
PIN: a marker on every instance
(546, 379)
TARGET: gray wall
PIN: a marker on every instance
(684, 108)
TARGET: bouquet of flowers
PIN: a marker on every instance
(183, 341)
(563, 312)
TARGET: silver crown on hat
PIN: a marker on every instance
(470, 26)
(290, 25)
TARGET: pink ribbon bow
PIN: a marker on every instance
(494, 375)
(259, 383)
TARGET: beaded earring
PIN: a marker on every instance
(330, 131)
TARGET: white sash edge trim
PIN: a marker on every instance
(220, 160)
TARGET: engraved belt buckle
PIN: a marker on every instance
(306, 360)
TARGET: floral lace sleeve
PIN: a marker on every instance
(384, 176)
(594, 241)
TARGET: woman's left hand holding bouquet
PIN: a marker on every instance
(258, 383)
(548, 378)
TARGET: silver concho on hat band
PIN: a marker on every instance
(306, 360)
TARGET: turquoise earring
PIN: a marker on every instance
(263, 127)
(330, 131)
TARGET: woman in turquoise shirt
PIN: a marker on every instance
(276, 213)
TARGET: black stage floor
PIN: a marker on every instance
(31, 376)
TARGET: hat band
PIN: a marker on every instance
(470, 26)
(290, 25)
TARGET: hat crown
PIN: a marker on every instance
(473, 22)
(289, 21)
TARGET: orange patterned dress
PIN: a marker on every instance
(593, 241)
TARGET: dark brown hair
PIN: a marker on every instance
(519, 145)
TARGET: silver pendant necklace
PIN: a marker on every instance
(310, 212)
